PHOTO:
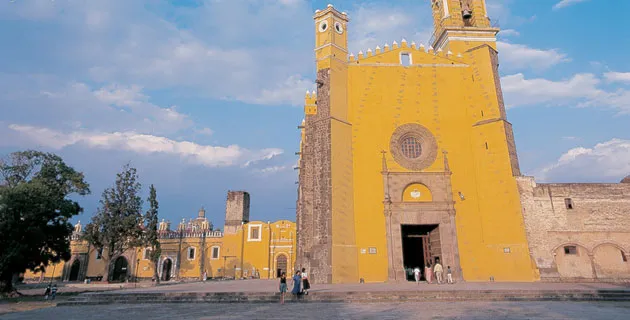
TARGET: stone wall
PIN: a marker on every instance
(236, 210)
(316, 203)
(578, 231)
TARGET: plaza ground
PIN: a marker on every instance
(422, 310)
(33, 307)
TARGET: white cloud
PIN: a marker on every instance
(377, 24)
(58, 104)
(606, 161)
(582, 90)
(617, 77)
(210, 156)
(509, 33)
(205, 131)
(272, 170)
(290, 92)
(518, 56)
(214, 55)
(566, 3)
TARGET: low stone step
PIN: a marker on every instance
(347, 297)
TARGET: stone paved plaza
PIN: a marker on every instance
(425, 310)
(272, 286)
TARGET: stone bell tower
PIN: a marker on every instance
(325, 211)
(461, 25)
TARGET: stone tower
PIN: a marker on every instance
(236, 211)
(326, 235)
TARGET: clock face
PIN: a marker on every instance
(415, 194)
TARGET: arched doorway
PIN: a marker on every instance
(611, 262)
(573, 261)
(74, 270)
(281, 264)
(120, 269)
(167, 265)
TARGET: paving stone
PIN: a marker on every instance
(414, 310)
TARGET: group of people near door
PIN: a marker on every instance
(301, 285)
(429, 271)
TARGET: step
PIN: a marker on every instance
(347, 297)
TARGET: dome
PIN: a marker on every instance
(626, 180)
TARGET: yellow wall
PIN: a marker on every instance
(446, 92)
(275, 238)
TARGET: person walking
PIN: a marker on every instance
(429, 273)
(47, 292)
(283, 286)
(437, 269)
(297, 281)
(305, 283)
(416, 275)
(449, 276)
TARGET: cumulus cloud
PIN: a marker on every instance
(623, 77)
(377, 24)
(607, 161)
(581, 90)
(518, 56)
(210, 156)
(509, 33)
(566, 3)
(60, 104)
(214, 55)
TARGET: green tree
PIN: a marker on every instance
(35, 212)
(151, 232)
(116, 226)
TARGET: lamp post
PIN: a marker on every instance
(53, 274)
(136, 277)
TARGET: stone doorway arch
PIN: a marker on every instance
(167, 267)
(75, 270)
(121, 268)
(281, 264)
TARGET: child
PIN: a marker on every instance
(449, 277)
(283, 286)
(53, 291)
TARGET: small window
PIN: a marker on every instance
(486, 146)
(99, 254)
(623, 256)
(147, 254)
(405, 59)
(254, 233)
(568, 203)
(570, 250)
(215, 253)
(482, 113)
(191, 253)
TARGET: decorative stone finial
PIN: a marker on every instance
(330, 5)
(344, 13)
(317, 11)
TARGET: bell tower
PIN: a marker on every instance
(461, 25)
(331, 40)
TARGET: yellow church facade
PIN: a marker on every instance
(407, 156)
(193, 250)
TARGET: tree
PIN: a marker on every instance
(35, 212)
(151, 232)
(116, 226)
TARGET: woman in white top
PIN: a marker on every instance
(305, 284)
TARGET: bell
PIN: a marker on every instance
(467, 14)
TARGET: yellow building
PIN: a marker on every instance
(250, 249)
(407, 156)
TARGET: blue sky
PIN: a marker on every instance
(205, 96)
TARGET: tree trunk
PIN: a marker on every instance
(6, 282)
(155, 272)
(107, 267)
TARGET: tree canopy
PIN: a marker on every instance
(151, 232)
(118, 223)
(35, 212)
